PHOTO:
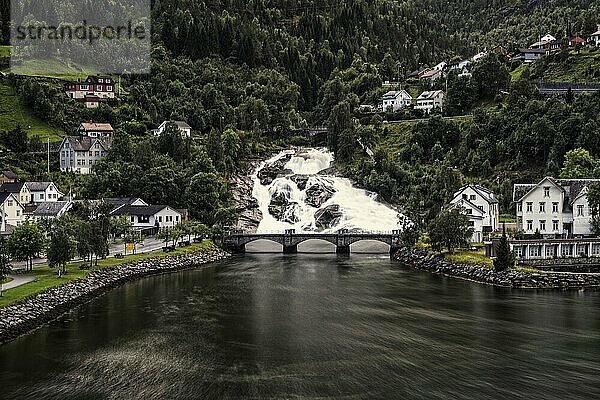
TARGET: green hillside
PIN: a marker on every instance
(13, 113)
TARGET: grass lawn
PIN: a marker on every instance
(6, 280)
(46, 277)
(13, 112)
(469, 257)
(508, 218)
(4, 51)
(53, 68)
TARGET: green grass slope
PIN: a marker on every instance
(13, 113)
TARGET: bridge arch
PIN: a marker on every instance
(370, 246)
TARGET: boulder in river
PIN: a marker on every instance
(328, 217)
(318, 193)
(271, 171)
(283, 209)
(300, 180)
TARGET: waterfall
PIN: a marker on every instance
(305, 198)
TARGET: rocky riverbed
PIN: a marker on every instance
(423, 260)
(32, 313)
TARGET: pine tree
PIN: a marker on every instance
(505, 258)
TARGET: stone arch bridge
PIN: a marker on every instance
(236, 242)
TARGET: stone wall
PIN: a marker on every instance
(32, 313)
(424, 260)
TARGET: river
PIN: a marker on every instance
(306, 326)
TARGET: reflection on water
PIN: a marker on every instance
(312, 326)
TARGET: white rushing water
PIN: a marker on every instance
(359, 208)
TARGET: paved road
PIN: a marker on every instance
(149, 245)
(17, 280)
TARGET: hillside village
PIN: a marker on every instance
(425, 93)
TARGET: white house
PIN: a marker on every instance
(479, 56)
(149, 218)
(441, 66)
(11, 212)
(184, 128)
(554, 207)
(79, 153)
(594, 39)
(481, 206)
(427, 101)
(396, 100)
(40, 192)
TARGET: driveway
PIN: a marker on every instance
(17, 280)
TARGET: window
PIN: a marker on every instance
(132, 218)
(534, 251)
(469, 211)
(580, 212)
(547, 191)
(530, 225)
(519, 251)
(143, 219)
(555, 226)
(473, 197)
(542, 207)
(159, 219)
(465, 197)
(529, 206)
(101, 80)
(90, 153)
(520, 207)
(177, 219)
(42, 195)
(97, 153)
(542, 226)
(109, 88)
(550, 251)
(18, 213)
(582, 249)
(596, 249)
(84, 87)
(471, 223)
(10, 203)
(566, 250)
(555, 207)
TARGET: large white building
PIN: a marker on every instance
(554, 208)
(148, 218)
(80, 153)
(594, 38)
(396, 100)
(481, 206)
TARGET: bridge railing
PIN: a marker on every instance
(287, 232)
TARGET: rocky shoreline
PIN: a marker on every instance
(425, 261)
(32, 313)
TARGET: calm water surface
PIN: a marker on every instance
(312, 326)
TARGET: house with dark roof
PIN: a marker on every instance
(528, 56)
(117, 202)
(92, 90)
(11, 212)
(19, 189)
(149, 218)
(594, 38)
(51, 210)
(481, 206)
(554, 208)
(396, 100)
(8, 177)
(40, 192)
(79, 154)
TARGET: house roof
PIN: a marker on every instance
(4, 196)
(532, 51)
(95, 79)
(91, 97)
(50, 209)
(577, 39)
(38, 186)
(482, 191)
(180, 124)
(96, 127)
(122, 201)
(140, 210)
(14, 187)
(85, 143)
(462, 201)
(395, 93)
(9, 175)
(429, 74)
(572, 188)
(430, 95)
